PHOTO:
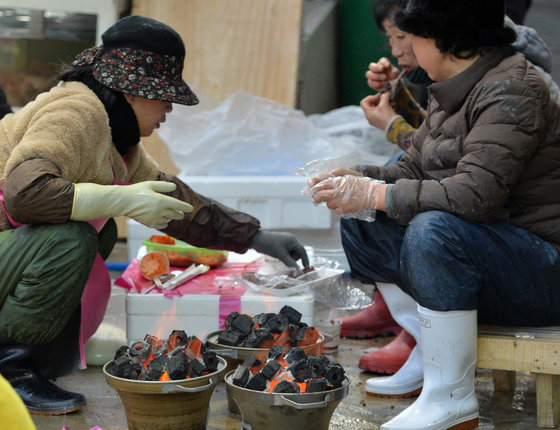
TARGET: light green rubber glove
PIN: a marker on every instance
(142, 202)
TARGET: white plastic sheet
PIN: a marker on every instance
(251, 135)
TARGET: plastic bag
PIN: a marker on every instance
(251, 135)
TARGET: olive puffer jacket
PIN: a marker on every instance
(489, 150)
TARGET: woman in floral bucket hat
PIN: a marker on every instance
(71, 161)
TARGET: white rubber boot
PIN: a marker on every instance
(408, 380)
(448, 400)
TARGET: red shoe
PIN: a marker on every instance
(370, 321)
(391, 357)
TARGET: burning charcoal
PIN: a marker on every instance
(196, 368)
(121, 366)
(334, 375)
(293, 330)
(295, 354)
(275, 352)
(156, 368)
(257, 383)
(135, 372)
(316, 385)
(242, 324)
(284, 338)
(286, 387)
(241, 376)
(307, 336)
(140, 351)
(193, 348)
(230, 318)
(210, 360)
(318, 366)
(230, 338)
(177, 364)
(177, 338)
(277, 324)
(301, 370)
(158, 346)
(261, 319)
(259, 338)
(290, 313)
(122, 351)
(270, 369)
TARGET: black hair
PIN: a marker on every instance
(125, 131)
(383, 9)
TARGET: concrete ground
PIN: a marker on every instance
(358, 411)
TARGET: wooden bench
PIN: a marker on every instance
(506, 350)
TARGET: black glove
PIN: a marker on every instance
(283, 246)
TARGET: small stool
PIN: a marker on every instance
(526, 349)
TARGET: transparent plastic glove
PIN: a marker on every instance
(142, 202)
(283, 246)
(349, 196)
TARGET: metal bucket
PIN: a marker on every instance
(278, 411)
(236, 355)
(175, 405)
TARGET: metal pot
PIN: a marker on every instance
(278, 411)
(236, 355)
(175, 405)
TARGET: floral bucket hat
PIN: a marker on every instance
(142, 57)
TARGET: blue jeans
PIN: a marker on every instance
(446, 263)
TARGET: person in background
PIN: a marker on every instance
(466, 227)
(517, 10)
(399, 114)
(72, 161)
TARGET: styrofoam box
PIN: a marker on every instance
(198, 314)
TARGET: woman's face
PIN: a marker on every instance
(149, 113)
(401, 46)
(430, 58)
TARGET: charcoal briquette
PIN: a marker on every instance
(196, 368)
(334, 375)
(258, 338)
(301, 371)
(231, 338)
(242, 324)
(177, 338)
(316, 385)
(123, 350)
(261, 319)
(286, 387)
(293, 315)
(177, 365)
(156, 368)
(275, 352)
(210, 360)
(295, 354)
(230, 318)
(240, 376)
(257, 383)
(121, 366)
(270, 369)
(318, 366)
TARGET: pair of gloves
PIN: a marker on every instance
(145, 203)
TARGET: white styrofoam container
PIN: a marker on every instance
(198, 314)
